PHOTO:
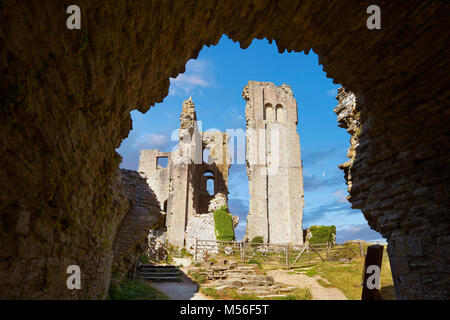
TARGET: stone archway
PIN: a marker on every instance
(66, 96)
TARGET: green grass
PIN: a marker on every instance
(134, 290)
(347, 277)
(196, 277)
(232, 294)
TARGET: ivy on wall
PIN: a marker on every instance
(223, 221)
(322, 234)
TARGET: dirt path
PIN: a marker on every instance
(300, 280)
(184, 290)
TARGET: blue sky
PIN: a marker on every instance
(215, 81)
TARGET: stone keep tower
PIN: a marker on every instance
(274, 165)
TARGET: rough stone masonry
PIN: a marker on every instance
(181, 186)
(273, 161)
(66, 97)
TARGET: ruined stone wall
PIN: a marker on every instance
(273, 164)
(66, 97)
(182, 183)
(143, 215)
(392, 196)
(202, 227)
(157, 177)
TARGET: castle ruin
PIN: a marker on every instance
(273, 161)
(179, 178)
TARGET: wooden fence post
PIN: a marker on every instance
(374, 257)
(287, 257)
(309, 258)
(361, 249)
(328, 252)
(195, 249)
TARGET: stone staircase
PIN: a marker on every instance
(159, 273)
(243, 278)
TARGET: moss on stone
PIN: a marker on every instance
(223, 221)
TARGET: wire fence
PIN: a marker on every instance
(284, 255)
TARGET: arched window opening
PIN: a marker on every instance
(279, 113)
(269, 113)
(210, 186)
(206, 156)
(209, 177)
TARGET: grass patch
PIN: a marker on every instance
(298, 294)
(196, 277)
(347, 277)
(232, 294)
(134, 290)
(324, 284)
(311, 272)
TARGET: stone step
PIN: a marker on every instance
(286, 289)
(242, 268)
(159, 274)
(256, 292)
(271, 296)
(149, 266)
(159, 270)
(251, 278)
(167, 278)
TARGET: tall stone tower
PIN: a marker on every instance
(274, 165)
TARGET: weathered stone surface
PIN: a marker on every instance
(66, 97)
(274, 167)
(132, 235)
(393, 206)
(181, 186)
(201, 226)
(244, 279)
(217, 202)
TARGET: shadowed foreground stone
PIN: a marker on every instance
(66, 97)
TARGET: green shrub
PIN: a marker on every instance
(256, 241)
(257, 262)
(184, 253)
(223, 224)
(322, 234)
(144, 259)
(134, 290)
(196, 277)
(210, 292)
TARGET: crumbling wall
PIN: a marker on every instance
(66, 97)
(183, 182)
(273, 164)
(389, 175)
(157, 176)
(143, 215)
(202, 227)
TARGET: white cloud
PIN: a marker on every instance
(341, 195)
(152, 141)
(357, 231)
(331, 92)
(198, 75)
